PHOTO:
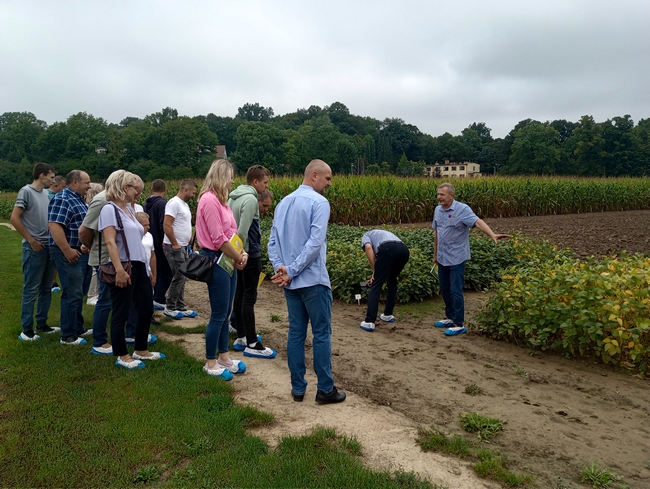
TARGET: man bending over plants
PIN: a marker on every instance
(387, 256)
(452, 221)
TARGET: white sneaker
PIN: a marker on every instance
(173, 314)
(236, 367)
(189, 313)
(231, 330)
(24, 337)
(259, 351)
(239, 344)
(388, 319)
(367, 326)
(218, 371)
(133, 364)
(154, 356)
(100, 350)
(89, 332)
(92, 301)
(78, 341)
(443, 323)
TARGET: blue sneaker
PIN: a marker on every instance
(455, 330)
(24, 337)
(260, 351)
(157, 306)
(151, 340)
(367, 326)
(189, 313)
(389, 319)
(218, 371)
(240, 343)
(100, 350)
(135, 364)
(237, 366)
(443, 323)
(173, 314)
(73, 340)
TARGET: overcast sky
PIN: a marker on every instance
(437, 65)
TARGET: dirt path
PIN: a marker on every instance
(562, 414)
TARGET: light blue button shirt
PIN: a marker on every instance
(452, 227)
(299, 238)
(377, 237)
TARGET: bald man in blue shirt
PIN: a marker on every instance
(297, 249)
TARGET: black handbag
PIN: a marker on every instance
(198, 267)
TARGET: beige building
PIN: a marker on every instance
(453, 170)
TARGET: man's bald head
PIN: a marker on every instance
(318, 175)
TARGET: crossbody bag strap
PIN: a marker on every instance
(119, 221)
(126, 245)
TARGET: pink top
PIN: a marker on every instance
(215, 223)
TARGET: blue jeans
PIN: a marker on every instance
(221, 291)
(451, 281)
(102, 311)
(38, 270)
(75, 281)
(310, 304)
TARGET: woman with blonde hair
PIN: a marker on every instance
(123, 236)
(215, 226)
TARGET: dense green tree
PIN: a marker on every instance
(260, 144)
(621, 149)
(160, 118)
(472, 144)
(86, 133)
(483, 131)
(255, 113)
(19, 133)
(535, 150)
(448, 147)
(589, 145)
(402, 138)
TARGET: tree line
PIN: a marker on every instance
(166, 145)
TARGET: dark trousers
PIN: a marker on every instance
(163, 277)
(451, 288)
(245, 299)
(139, 293)
(390, 260)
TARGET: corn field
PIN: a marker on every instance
(372, 200)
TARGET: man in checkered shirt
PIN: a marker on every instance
(66, 213)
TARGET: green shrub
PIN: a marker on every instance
(347, 263)
(577, 308)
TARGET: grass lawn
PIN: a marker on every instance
(72, 419)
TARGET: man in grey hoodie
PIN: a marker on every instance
(245, 208)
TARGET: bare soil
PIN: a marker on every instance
(561, 413)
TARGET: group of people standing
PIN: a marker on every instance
(66, 232)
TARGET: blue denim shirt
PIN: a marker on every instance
(68, 208)
(452, 227)
(299, 237)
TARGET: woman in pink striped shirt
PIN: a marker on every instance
(215, 226)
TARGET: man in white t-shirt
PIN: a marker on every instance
(178, 233)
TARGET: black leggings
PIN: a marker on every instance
(139, 293)
(245, 299)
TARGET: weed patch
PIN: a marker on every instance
(601, 478)
(488, 465)
(485, 428)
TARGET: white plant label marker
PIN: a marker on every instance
(358, 298)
